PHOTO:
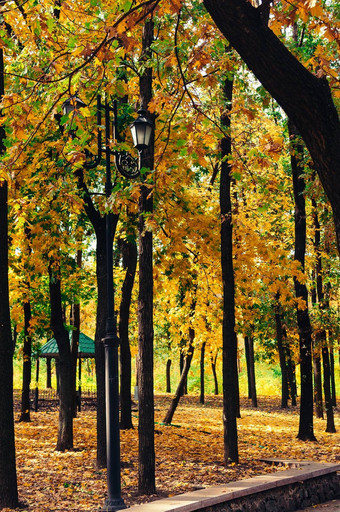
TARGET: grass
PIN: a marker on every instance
(268, 377)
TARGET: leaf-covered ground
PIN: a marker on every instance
(189, 454)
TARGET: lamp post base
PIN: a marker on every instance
(111, 505)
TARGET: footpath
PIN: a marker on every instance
(329, 506)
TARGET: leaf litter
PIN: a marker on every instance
(189, 453)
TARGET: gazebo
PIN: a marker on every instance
(49, 351)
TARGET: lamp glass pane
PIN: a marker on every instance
(134, 135)
(140, 129)
(147, 136)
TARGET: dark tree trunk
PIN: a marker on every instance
(314, 296)
(317, 383)
(305, 330)
(179, 391)
(321, 339)
(229, 372)
(168, 376)
(129, 256)
(252, 371)
(213, 368)
(8, 477)
(333, 387)
(27, 366)
(65, 424)
(246, 352)
(305, 98)
(282, 356)
(202, 373)
(146, 468)
(181, 366)
(99, 225)
(75, 322)
(327, 390)
(27, 348)
(36, 391)
(99, 336)
(48, 373)
(290, 368)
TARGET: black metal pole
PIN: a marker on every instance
(114, 500)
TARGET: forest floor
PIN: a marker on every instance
(189, 453)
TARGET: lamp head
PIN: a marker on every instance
(72, 104)
(141, 130)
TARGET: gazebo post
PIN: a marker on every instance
(79, 384)
(36, 393)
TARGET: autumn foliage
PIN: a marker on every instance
(56, 49)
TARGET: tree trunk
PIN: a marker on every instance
(327, 390)
(146, 468)
(179, 391)
(282, 357)
(321, 338)
(181, 366)
(229, 372)
(317, 383)
(246, 352)
(305, 98)
(99, 345)
(252, 371)
(213, 368)
(314, 296)
(290, 368)
(305, 330)
(333, 388)
(168, 376)
(129, 255)
(99, 225)
(65, 424)
(75, 322)
(27, 348)
(36, 391)
(27, 366)
(202, 373)
(8, 476)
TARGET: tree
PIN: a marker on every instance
(27, 365)
(305, 98)
(229, 350)
(99, 226)
(146, 467)
(305, 329)
(129, 260)
(65, 425)
(8, 476)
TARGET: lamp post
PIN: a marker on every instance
(128, 166)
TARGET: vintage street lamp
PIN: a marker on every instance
(141, 131)
(72, 104)
(128, 166)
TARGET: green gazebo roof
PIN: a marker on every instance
(85, 349)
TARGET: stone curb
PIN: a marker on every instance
(216, 495)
